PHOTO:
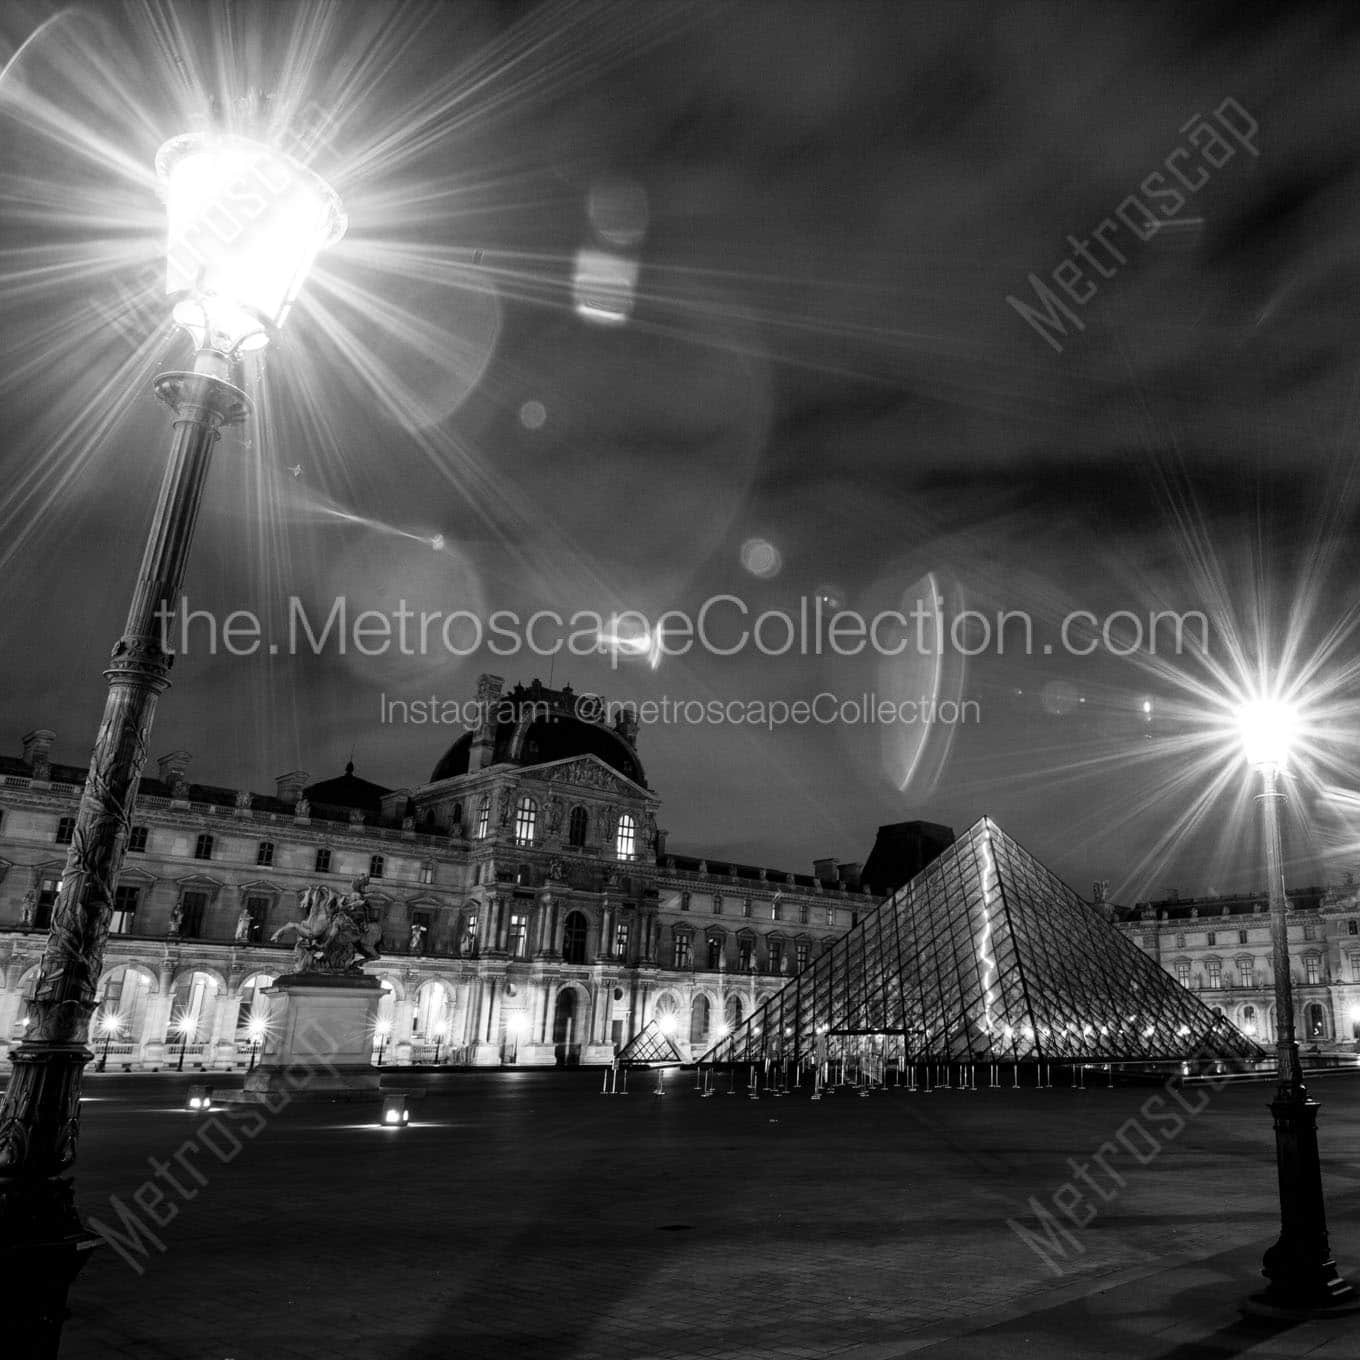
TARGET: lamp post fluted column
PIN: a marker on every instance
(1303, 1276)
(42, 1240)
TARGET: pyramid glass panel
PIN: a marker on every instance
(985, 956)
(649, 1045)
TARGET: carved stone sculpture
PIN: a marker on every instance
(336, 934)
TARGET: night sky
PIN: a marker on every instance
(815, 386)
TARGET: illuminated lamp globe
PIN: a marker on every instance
(245, 224)
(1267, 728)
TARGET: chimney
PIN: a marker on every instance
(483, 748)
(824, 871)
(849, 875)
(288, 787)
(173, 766)
(37, 744)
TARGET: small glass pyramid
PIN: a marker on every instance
(986, 956)
(649, 1045)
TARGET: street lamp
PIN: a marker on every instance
(256, 1028)
(440, 1034)
(110, 1024)
(245, 223)
(1303, 1276)
(184, 1027)
(382, 1029)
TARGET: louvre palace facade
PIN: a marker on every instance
(531, 912)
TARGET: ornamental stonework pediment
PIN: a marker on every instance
(590, 773)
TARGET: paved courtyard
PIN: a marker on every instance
(525, 1214)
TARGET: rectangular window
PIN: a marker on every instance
(831, 916)
(683, 954)
(717, 904)
(264, 853)
(124, 907)
(470, 934)
(684, 901)
(1312, 970)
(258, 907)
(427, 872)
(1213, 938)
(746, 907)
(1150, 943)
(194, 906)
(621, 935)
(1180, 941)
(776, 956)
(203, 847)
(375, 866)
(422, 931)
(776, 909)
(66, 828)
(323, 860)
(802, 950)
(746, 953)
(1241, 937)
(519, 936)
(137, 839)
(47, 899)
(1352, 927)
(1244, 973)
(1215, 972)
(1355, 967)
(483, 817)
(1309, 931)
(803, 914)
(1183, 974)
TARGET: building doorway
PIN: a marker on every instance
(566, 1047)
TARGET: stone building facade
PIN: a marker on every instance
(531, 912)
(1221, 947)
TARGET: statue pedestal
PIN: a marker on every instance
(320, 1040)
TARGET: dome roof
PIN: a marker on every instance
(558, 737)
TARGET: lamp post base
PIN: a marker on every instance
(44, 1247)
(1304, 1280)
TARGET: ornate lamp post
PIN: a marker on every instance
(256, 1028)
(383, 1030)
(1303, 1277)
(245, 224)
(184, 1027)
(110, 1025)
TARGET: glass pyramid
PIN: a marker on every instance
(649, 1045)
(985, 956)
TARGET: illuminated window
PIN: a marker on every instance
(802, 950)
(1244, 972)
(1317, 1022)
(526, 820)
(625, 840)
(621, 934)
(1183, 973)
(519, 935)
(427, 872)
(483, 816)
(1312, 969)
(683, 954)
(1215, 972)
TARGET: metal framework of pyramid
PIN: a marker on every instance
(985, 956)
(649, 1046)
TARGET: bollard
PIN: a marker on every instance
(753, 1085)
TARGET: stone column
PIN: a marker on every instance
(606, 912)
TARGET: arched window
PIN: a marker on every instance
(193, 1008)
(483, 816)
(526, 820)
(574, 938)
(698, 1020)
(732, 1012)
(577, 826)
(626, 839)
(456, 819)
